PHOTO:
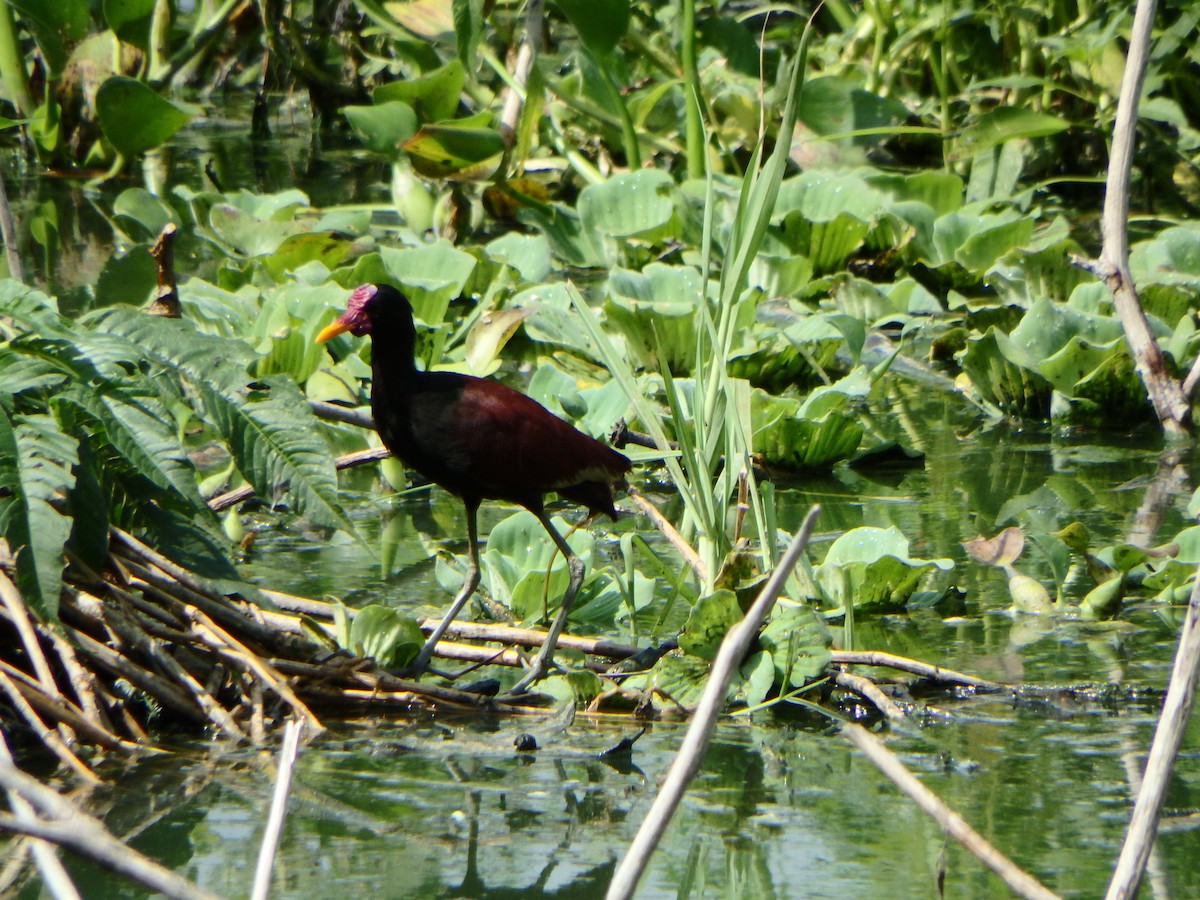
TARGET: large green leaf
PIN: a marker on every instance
(36, 460)
(383, 126)
(632, 204)
(275, 439)
(870, 569)
(134, 118)
(432, 97)
(141, 436)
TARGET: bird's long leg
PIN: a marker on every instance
(575, 566)
(470, 582)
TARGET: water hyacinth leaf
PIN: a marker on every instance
(655, 311)
(431, 275)
(798, 642)
(56, 27)
(1047, 327)
(454, 149)
(134, 118)
(130, 20)
(36, 462)
(631, 204)
(1104, 600)
(431, 97)
(386, 635)
(870, 569)
(758, 677)
(250, 235)
(298, 250)
(1003, 374)
(600, 23)
(711, 618)
(528, 254)
(383, 127)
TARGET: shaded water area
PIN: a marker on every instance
(393, 807)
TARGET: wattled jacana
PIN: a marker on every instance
(479, 440)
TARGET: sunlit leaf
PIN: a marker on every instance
(134, 118)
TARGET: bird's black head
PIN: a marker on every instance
(370, 308)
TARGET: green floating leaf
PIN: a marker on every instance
(870, 569)
(385, 635)
(144, 208)
(632, 204)
(711, 618)
(36, 461)
(656, 311)
(798, 641)
(134, 118)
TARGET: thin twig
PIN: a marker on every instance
(283, 783)
(1168, 735)
(8, 234)
(1018, 880)
(691, 752)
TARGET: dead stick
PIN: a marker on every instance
(1018, 880)
(913, 667)
(283, 782)
(1168, 735)
(865, 687)
(691, 752)
(259, 666)
(55, 876)
(61, 710)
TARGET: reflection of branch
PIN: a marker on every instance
(1174, 412)
(1177, 706)
(691, 752)
(1018, 880)
(1169, 481)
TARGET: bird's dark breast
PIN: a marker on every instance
(482, 439)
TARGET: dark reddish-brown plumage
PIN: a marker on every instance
(478, 439)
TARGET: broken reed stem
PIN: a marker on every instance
(878, 658)
(1018, 880)
(283, 783)
(691, 752)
